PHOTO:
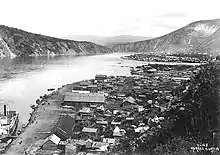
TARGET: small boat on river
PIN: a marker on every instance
(50, 89)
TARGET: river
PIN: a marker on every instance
(23, 80)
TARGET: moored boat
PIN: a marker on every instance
(33, 106)
(8, 124)
(50, 89)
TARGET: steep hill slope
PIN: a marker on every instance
(198, 37)
(15, 42)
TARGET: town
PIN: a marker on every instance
(186, 58)
(101, 113)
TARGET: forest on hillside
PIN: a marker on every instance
(192, 120)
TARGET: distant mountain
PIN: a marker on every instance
(124, 39)
(197, 37)
(15, 42)
(90, 38)
(107, 40)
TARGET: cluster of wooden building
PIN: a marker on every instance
(107, 109)
(197, 58)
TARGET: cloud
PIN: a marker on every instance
(138, 19)
(164, 25)
(168, 21)
(172, 15)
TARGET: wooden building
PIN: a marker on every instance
(128, 103)
(79, 100)
(93, 88)
(100, 77)
(51, 143)
(88, 133)
(64, 127)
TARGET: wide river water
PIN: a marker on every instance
(23, 80)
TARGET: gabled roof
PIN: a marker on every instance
(130, 118)
(85, 110)
(84, 97)
(116, 129)
(102, 122)
(115, 123)
(80, 91)
(92, 86)
(143, 128)
(89, 140)
(109, 140)
(99, 144)
(130, 100)
(117, 134)
(100, 76)
(52, 138)
(152, 70)
(81, 142)
(84, 83)
(92, 130)
(64, 126)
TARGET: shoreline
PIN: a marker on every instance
(54, 55)
(40, 123)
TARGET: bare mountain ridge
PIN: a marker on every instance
(15, 42)
(107, 40)
(197, 37)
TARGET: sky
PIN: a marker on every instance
(59, 18)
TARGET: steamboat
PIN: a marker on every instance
(8, 124)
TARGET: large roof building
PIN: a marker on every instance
(83, 99)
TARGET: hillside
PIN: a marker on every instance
(197, 37)
(107, 40)
(15, 42)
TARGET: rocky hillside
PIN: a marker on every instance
(198, 37)
(15, 42)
